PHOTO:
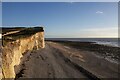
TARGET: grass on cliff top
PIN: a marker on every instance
(25, 32)
(9, 29)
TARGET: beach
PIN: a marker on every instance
(58, 60)
(103, 50)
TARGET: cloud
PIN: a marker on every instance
(70, 2)
(99, 12)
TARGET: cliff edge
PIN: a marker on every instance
(15, 43)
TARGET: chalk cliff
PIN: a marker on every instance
(13, 51)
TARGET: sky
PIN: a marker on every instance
(60, 0)
(65, 19)
(0, 14)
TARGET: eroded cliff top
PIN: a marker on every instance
(14, 33)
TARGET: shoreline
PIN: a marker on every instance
(109, 53)
(60, 61)
(112, 42)
(88, 60)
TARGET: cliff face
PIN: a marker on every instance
(13, 51)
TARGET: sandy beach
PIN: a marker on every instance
(61, 61)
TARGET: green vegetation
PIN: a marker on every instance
(9, 29)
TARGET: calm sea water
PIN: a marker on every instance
(103, 41)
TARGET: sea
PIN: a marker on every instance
(114, 42)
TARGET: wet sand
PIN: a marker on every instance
(60, 61)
